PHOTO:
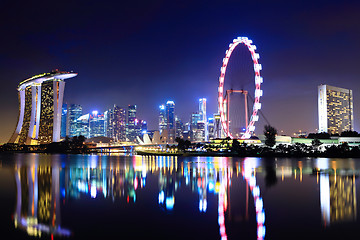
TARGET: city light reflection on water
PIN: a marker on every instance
(228, 191)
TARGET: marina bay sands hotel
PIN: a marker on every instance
(40, 103)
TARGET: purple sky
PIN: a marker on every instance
(148, 52)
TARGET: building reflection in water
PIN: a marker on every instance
(38, 199)
(337, 193)
(41, 184)
(336, 179)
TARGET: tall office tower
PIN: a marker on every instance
(83, 126)
(170, 115)
(97, 124)
(202, 112)
(195, 118)
(41, 99)
(335, 108)
(63, 121)
(202, 109)
(200, 131)
(211, 128)
(179, 127)
(131, 122)
(106, 121)
(120, 123)
(109, 129)
(218, 131)
(162, 118)
(74, 112)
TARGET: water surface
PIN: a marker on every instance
(136, 197)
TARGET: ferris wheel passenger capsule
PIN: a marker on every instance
(257, 106)
(258, 80)
(258, 93)
(255, 118)
(256, 56)
(257, 67)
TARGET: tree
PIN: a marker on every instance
(349, 133)
(182, 144)
(316, 142)
(322, 135)
(235, 147)
(270, 135)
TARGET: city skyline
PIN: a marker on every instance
(169, 51)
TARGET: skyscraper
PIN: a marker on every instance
(131, 131)
(170, 115)
(162, 118)
(116, 123)
(97, 124)
(211, 128)
(200, 131)
(202, 109)
(83, 126)
(179, 127)
(203, 118)
(195, 117)
(74, 112)
(335, 108)
(167, 120)
(41, 99)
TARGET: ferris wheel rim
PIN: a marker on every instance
(258, 92)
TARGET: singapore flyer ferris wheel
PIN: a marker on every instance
(224, 100)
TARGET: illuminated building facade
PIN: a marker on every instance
(335, 109)
(74, 112)
(83, 126)
(116, 123)
(167, 121)
(211, 128)
(131, 123)
(195, 118)
(179, 126)
(200, 131)
(218, 133)
(202, 112)
(162, 118)
(40, 110)
(170, 115)
(97, 124)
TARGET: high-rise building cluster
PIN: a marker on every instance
(113, 123)
(199, 127)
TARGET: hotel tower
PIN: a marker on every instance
(40, 105)
(335, 106)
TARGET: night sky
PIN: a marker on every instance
(148, 52)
